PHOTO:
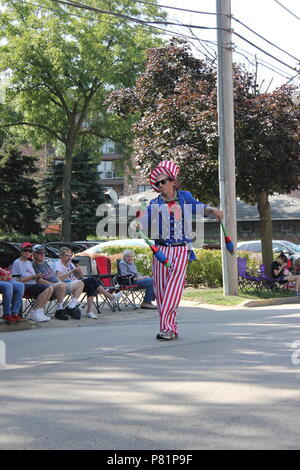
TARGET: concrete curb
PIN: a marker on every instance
(26, 325)
(267, 302)
(246, 303)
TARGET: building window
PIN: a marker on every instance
(144, 187)
(108, 170)
(109, 147)
(286, 227)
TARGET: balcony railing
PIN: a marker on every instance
(111, 174)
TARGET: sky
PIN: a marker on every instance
(265, 17)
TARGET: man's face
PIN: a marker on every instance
(39, 256)
(164, 184)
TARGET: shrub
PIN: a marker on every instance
(205, 271)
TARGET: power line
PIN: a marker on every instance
(293, 78)
(265, 64)
(97, 10)
(262, 63)
(285, 8)
(131, 18)
(83, 6)
(179, 9)
(265, 52)
(165, 31)
(269, 42)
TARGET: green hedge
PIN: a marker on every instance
(206, 270)
(33, 238)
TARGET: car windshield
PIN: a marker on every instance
(292, 246)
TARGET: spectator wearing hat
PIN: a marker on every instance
(22, 269)
(60, 288)
(168, 220)
(49, 278)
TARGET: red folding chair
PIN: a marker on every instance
(108, 281)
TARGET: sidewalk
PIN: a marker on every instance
(107, 316)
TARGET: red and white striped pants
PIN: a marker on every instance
(169, 284)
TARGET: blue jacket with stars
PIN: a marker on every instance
(172, 222)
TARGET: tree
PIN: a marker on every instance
(62, 63)
(18, 193)
(175, 103)
(86, 194)
(172, 101)
(267, 149)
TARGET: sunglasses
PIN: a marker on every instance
(27, 251)
(161, 182)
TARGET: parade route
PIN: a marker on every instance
(230, 381)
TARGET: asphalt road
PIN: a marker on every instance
(230, 381)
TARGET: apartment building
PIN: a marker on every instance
(117, 174)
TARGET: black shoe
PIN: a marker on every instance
(74, 313)
(61, 315)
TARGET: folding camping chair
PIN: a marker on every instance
(27, 305)
(133, 293)
(108, 281)
(272, 284)
(246, 281)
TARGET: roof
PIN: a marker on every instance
(283, 207)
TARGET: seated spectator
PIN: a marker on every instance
(12, 292)
(127, 266)
(65, 269)
(22, 269)
(281, 272)
(60, 288)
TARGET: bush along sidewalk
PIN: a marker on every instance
(205, 271)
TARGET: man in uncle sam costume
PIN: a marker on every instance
(168, 220)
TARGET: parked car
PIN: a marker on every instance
(288, 248)
(9, 251)
(89, 243)
(74, 247)
(124, 243)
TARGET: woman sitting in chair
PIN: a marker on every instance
(281, 272)
(127, 266)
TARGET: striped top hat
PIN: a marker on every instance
(164, 168)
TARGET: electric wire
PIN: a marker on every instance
(137, 20)
(80, 5)
(264, 63)
(265, 52)
(180, 9)
(262, 37)
(168, 32)
(285, 8)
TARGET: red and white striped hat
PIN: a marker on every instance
(164, 168)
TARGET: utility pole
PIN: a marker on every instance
(226, 143)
